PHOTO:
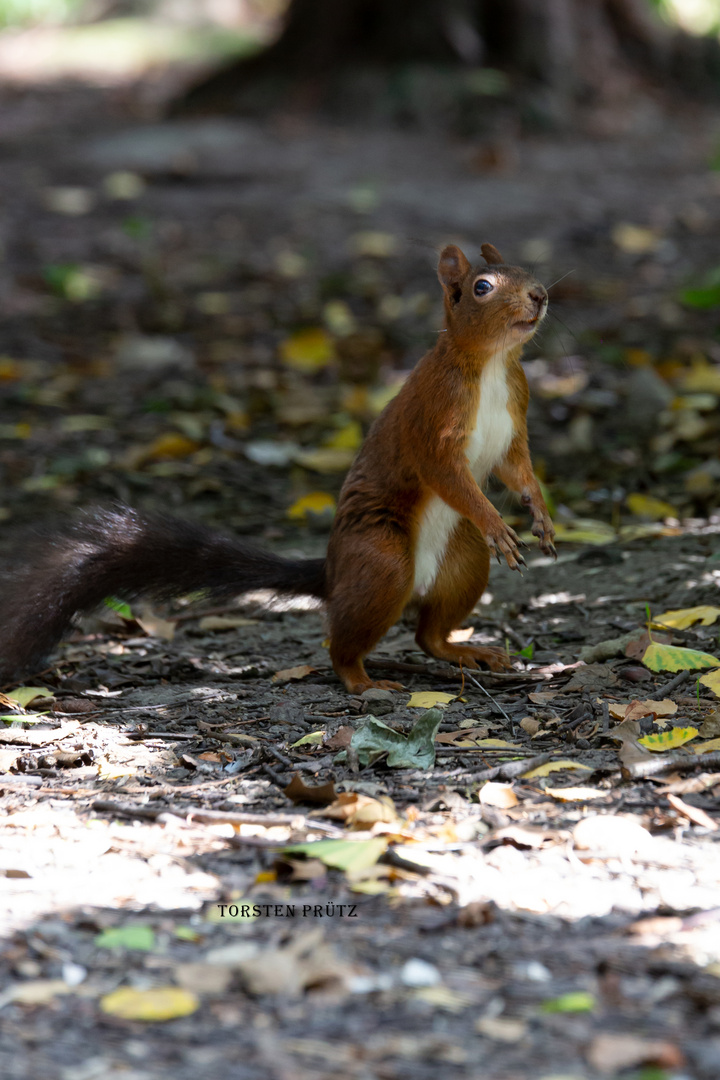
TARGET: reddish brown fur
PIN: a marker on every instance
(416, 450)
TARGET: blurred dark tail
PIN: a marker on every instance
(123, 553)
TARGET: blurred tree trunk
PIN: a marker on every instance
(572, 49)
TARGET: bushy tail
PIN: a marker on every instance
(123, 553)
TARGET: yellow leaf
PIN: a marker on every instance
(668, 740)
(379, 245)
(712, 681)
(681, 618)
(288, 674)
(307, 350)
(427, 699)
(575, 794)
(326, 459)
(650, 507)
(707, 747)
(554, 766)
(585, 531)
(161, 1003)
(317, 502)
(313, 738)
(702, 378)
(634, 239)
(25, 694)
(106, 771)
(349, 437)
(170, 445)
(674, 658)
(496, 744)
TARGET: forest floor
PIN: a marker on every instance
(204, 316)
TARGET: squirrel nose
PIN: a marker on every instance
(538, 294)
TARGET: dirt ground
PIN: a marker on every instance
(156, 282)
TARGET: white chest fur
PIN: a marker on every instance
(487, 446)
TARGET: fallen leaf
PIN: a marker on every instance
(171, 446)
(313, 738)
(668, 740)
(160, 1003)
(450, 738)
(554, 766)
(575, 794)
(135, 936)
(317, 503)
(307, 350)
(674, 658)
(361, 810)
(542, 697)
(649, 507)
(24, 695)
(612, 1053)
(505, 1029)
(303, 963)
(712, 681)
(634, 239)
(694, 813)
(326, 459)
(293, 673)
(298, 791)
(707, 747)
(35, 992)
(682, 618)
(500, 795)
(348, 437)
(530, 725)
(496, 744)
(427, 699)
(413, 751)
(573, 1002)
(635, 710)
(351, 856)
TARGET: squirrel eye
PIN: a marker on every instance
(482, 287)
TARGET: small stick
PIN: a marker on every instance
(683, 762)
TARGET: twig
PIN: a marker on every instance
(683, 762)
(674, 683)
(497, 704)
(509, 770)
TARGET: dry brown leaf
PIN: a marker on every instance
(298, 791)
(361, 810)
(341, 739)
(293, 673)
(530, 725)
(451, 737)
(500, 795)
(637, 709)
(609, 1053)
(542, 697)
(305, 962)
(694, 813)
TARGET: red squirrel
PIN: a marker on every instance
(412, 522)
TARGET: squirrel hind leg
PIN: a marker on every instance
(461, 581)
(373, 587)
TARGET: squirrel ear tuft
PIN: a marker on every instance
(452, 268)
(491, 255)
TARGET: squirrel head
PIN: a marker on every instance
(493, 307)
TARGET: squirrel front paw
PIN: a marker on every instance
(500, 538)
(542, 526)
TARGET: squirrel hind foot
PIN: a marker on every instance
(468, 656)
